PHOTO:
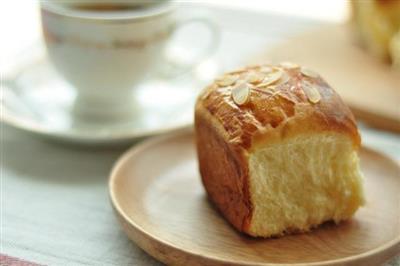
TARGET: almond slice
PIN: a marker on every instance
(309, 73)
(284, 78)
(311, 92)
(272, 77)
(266, 69)
(241, 93)
(237, 71)
(227, 80)
(266, 87)
(253, 77)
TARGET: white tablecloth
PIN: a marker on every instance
(55, 208)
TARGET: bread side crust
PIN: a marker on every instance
(224, 170)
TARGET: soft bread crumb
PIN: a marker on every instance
(303, 182)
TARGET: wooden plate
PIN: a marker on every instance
(156, 191)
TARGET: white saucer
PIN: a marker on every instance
(36, 99)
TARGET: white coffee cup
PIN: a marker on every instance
(104, 54)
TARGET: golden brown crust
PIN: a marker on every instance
(225, 176)
(270, 110)
(226, 131)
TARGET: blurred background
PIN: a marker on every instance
(245, 31)
(19, 19)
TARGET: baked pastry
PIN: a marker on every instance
(377, 22)
(277, 150)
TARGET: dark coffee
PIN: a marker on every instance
(114, 7)
(100, 7)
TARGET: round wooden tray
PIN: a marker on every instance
(157, 194)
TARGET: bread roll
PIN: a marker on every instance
(377, 22)
(277, 150)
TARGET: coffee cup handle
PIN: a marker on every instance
(177, 64)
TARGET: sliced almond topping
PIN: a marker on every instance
(262, 85)
(308, 72)
(241, 93)
(272, 77)
(265, 86)
(311, 92)
(227, 80)
(254, 78)
(238, 71)
(266, 69)
(284, 78)
(289, 65)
